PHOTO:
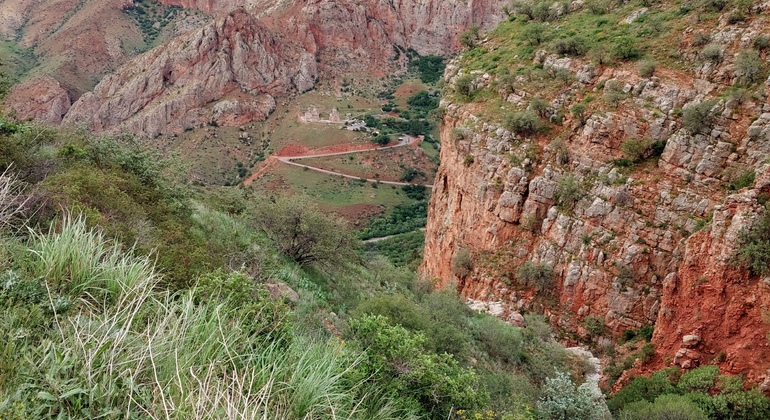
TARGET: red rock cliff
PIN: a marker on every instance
(650, 246)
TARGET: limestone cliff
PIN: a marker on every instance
(633, 240)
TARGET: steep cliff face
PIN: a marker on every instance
(632, 240)
(227, 72)
(362, 36)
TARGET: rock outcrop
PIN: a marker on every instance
(227, 72)
(42, 99)
(630, 248)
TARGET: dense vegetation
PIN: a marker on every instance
(698, 394)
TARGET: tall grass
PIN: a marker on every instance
(130, 350)
(80, 260)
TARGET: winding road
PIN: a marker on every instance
(290, 160)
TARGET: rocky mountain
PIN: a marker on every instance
(71, 44)
(227, 72)
(251, 49)
(608, 181)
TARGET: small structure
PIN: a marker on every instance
(312, 115)
(334, 116)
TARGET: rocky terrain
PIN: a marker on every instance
(73, 44)
(283, 41)
(633, 241)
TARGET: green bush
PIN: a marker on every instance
(625, 48)
(539, 276)
(539, 106)
(431, 68)
(761, 42)
(464, 85)
(470, 37)
(397, 363)
(636, 149)
(579, 111)
(753, 251)
(700, 379)
(698, 117)
(574, 46)
(462, 263)
(423, 99)
(647, 68)
(524, 123)
(745, 179)
(568, 193)
(560, 400)
(712, 53)
(302, 232)
(674, 407)
(534, 33)
(749, 68)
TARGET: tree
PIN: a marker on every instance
(302, 232)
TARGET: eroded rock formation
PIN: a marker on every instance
(647, 246)
(227, 72)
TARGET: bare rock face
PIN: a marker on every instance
(355, 35)
(176, 86)
(42, 99)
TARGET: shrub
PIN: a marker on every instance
(647, 68)
(470, 37)
(501, 341)
(665, 407)
(748, 67)
(524, 123)
(561, 400)
(539, 106)
(635, 149)
(534, 33)
(700, 39)
(537, 275)
(468, 160)
(462, 264)
(579, 111)
(568, 193)
(594, 326)
(464, 85)
(625, 48)
(423, 99)
(574, 46)
(642, 389)
(431, 67)
(598, 7)
(381, 139)
(712, 53)
(745, 179)
(753, 251)
(701, 379)
(761, 42)
(698, 117)
(397, 363)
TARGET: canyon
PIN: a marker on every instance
(649, 243)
